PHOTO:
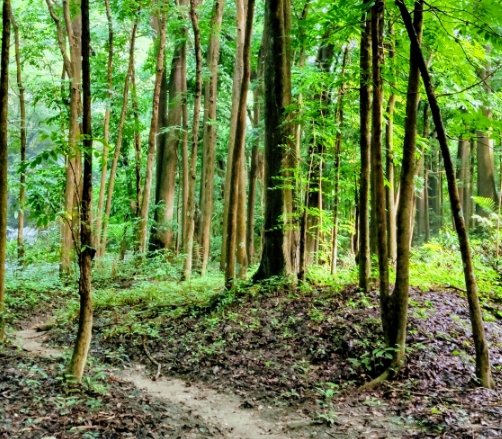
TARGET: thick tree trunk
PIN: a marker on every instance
(86, 253)
(118, 143)
(209, 140)
(377, 20)
(277, 250)
(486, 186)
(364, 260)
(4, 125)
(483, 370)
(169, 139)
(235, 169)
(22, 143)
(159, 70)
(190, 217)
(106, 128)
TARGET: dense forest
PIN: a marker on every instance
(250, 219)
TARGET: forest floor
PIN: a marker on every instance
(270, 361)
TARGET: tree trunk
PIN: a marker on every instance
(190, 217)
(276, 251)
(86, 253)
(106, 128)
(338, 146)
(209, 140)
(241, 7)
(389, 155)
(169, 138)
(4, 125)
(377, 21)
(22, 143)
(464, 177)
(483, 370)
(364, 260)
(398, 321)
(238, 151)
(159, 70)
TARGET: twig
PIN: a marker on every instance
(153, 360)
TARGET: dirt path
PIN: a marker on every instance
(225, 411)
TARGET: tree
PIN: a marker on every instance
(483, 370)
(276, 251)
(86, 253)
(159, 71)
(4, 103)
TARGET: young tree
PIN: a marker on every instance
(4, 102)
(22, 142)
(483, 369)
(86, 253)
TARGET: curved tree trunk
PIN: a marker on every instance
(483, 370)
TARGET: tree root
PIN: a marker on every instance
(153, 360)
(387, 374)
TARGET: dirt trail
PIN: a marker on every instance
(224, 411)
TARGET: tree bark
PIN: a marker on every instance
(4, 125)
(86, 253)
(483, 370)
(210, 132)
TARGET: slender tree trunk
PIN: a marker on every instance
(464, 177)
(241, 7)
(190, 217)
(4, 125)
(389, 156)
(365, 141)
(159, 70)
(483, 370)
(118, 143)
(22, 143)
(398, 321)
(137, 141)
(238, 150)
(106, 128)
(210, 132)
(377, 21)
(276, 251)
(86, 253)
(338, 146)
